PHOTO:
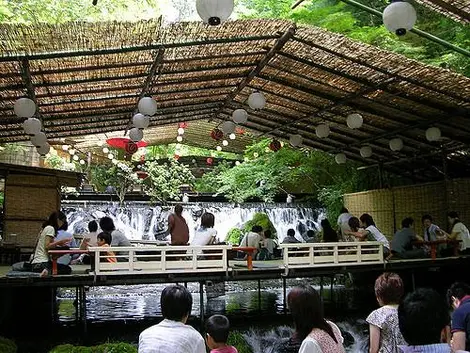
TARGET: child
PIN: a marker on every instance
(104, 240)
(385, 336)
(217, 330)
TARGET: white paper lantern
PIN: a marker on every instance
(180, 131)
(256, 154)
(218, 148)
(76, 158)
(295, 140)
(193, 161)
(240, 116)
(256, 100)
(44, 149)
(322, 131)
(71, 151)
(354, 121)
(136, 134)
(65, 147)
(225, 142)
(396, 144)
(115, 161)
(366, 151)
(228, 127)
(340, 158)
(82, 162)
(231, 136)
(433, 134)
(399, 17)
(106, 150)
(24, 108)
(110, 156)
(140, 121)
(147, 106)
(32, 126)
(237, 163)
(39, 139)
(179, 138)
(214, 12)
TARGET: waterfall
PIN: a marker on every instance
(143, 221)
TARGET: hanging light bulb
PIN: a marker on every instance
(231, 136)
(115, 161)
(180, 131)
(237, 163)
(225, 142)
(105, 150)
(399, 17)
(340, 158)
(256, 154)
(111, 156)
(82, 162)
(218, 148)
(65, 147)
(76, 157)
(214, 12)
(72, 151)
(433, 134)
(179, 138)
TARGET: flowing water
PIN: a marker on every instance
(142, 221)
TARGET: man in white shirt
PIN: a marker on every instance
(172, 334)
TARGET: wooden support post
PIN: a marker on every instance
(201, 303)
(259, 296)
(284, 295)
(381, 176)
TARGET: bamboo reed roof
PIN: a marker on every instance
(459, 10)
(87, 78)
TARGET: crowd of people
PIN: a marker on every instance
(416, 323)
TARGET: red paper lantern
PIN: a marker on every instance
(275, 145)
(131, 147)
(121, 142)
(177, 156)
(142, 175)
(240, 130)
(183, 125)
(209, 161)
(217, 134)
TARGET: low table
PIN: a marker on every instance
(433, 245)
(55, 254)
(249, 252)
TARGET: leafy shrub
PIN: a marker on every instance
(234, 236)
(120, 347)
(7, 346)
(260, 219)
(236, 339)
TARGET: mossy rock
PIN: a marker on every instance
(103, 348)
(234, 236)
(236, 339)
(260, 219)
(7, 346)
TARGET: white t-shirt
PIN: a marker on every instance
(171, 337)
(378, 236)
(311, 345)
(251, 240)
(203, 236)
(462, 234)
(41, 253)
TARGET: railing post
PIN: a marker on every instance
(381, 252)
(359, 252)
(97, 261)
(163, 259)
(131, 260)
(336, 255)
(194, 255)
(311, 256)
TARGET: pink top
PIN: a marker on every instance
(226, 349)
(319, 341)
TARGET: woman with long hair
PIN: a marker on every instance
(46, 241)
(313, 333)
(205, 234)
(458, 232)
(371, 232)
(329, 234)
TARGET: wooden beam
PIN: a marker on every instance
(28, 83)
(253, 73)
(55, 55)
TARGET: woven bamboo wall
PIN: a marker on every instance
(388, 207)
(29, 199)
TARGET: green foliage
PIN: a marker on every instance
(169, 151)
(120, 347)
(234, 236)
(236, 339)
(165, 179)
(7, 346)
(99, 177)
(260, 219)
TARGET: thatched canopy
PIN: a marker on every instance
(457, 9)
(87, 79)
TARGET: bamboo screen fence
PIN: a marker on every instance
(389, 206)
(31, 194)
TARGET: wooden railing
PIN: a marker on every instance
(332, 254)
(161, 259)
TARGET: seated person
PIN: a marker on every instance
(268, 246)
(252, 239)
(290, 238)
(104, 240)
(72, 243)
(90, 239)
(354, 226)
(311, 236)
(431, 231)
(205, 234)
(402, 241)
(459, 232)
(328, 233)
(370, 232)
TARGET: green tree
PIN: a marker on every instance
(165, 180)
